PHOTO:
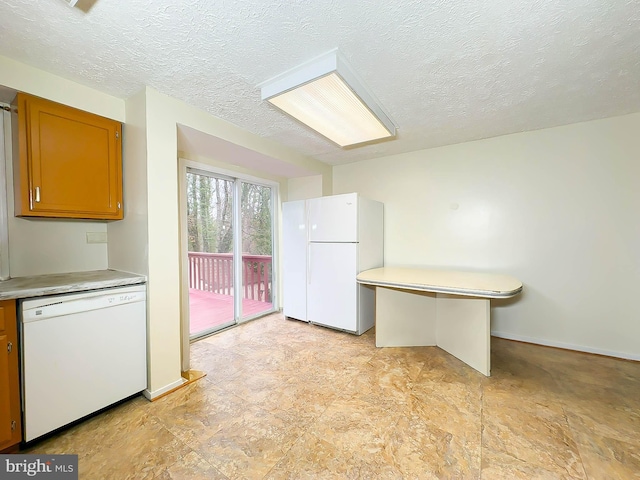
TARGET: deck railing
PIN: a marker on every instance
(213, 272)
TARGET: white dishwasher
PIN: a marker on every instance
(81, 352)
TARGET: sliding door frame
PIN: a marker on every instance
(238, 178)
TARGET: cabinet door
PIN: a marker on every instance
(10, 426)
(332, 288)
(70, 162)
(5, 391)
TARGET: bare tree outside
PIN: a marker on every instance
(210, 216)
(256, 219)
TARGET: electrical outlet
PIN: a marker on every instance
(96, 237)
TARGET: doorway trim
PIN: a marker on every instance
(183, 165)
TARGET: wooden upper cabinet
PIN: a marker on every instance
(69, 163)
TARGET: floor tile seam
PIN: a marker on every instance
(358, 453)
(270, 412)
(337, 447)
(305, 431)
(202, 447)
(234, 375)
(160, 420)
(419, 375)
(556, 376)
(540, 465)
(537, 464)
(326, 407)
(209, 383)
(188, 447)
(319, 418)
(482, 415)
(315, 419)
(220, 351)
(201, 457)
(353, 378)
(573, 432)
(212, 465)
(209, 379)
(570, 429)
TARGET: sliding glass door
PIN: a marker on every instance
(257, 250)
(229, 226)
(210, 252)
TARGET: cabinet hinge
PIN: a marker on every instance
(9, 347)
(13, 425)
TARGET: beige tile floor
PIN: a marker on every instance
(287, 400)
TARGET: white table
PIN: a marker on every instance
(448, 309)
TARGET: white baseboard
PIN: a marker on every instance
(566, 346)
(156, 393)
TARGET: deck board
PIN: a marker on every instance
(208, 310)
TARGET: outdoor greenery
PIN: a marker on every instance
(210, 216)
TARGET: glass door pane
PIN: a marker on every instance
(210, 253)
(256, 206)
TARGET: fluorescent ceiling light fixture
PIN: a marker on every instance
(327, 96)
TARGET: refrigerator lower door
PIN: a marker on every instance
(332, 288)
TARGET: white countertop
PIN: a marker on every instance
(52, 284)
(488, 285)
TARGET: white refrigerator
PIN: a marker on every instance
(327, 241)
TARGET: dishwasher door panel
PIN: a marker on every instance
(76, 364)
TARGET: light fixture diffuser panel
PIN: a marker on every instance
(326, 95)
(330, 107)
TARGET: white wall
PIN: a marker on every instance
(54, 246)
(557, 208)
(5, 152)
(303, 188)
(128, 238)
(24, 78)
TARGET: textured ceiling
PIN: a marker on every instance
(446, 71)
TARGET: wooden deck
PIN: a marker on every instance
(208, 309)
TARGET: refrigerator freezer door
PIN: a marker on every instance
(294, 259)
(332, 290)
(334, 218)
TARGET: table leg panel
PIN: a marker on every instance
(463, 330)
(405, 318)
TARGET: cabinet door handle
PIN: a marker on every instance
(37, 194)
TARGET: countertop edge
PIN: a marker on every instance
(43, 285)
(450, 282)
(464, 292)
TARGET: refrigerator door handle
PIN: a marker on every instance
(308, 232)
(308, 263)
